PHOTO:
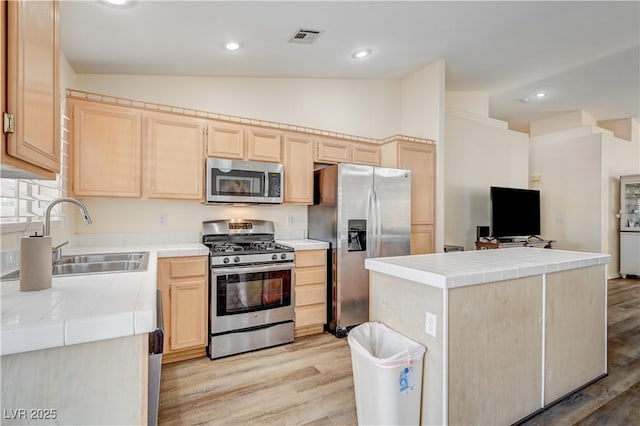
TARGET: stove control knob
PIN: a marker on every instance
(236, 259)
(225, 260)
(283, 256)
(274, 257)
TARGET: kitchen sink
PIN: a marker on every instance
(105, 257)
(95, 264)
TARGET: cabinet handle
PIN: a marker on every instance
(9, 122)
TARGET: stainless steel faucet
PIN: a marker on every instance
(57, 252)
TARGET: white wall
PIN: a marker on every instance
(369, 108)
(474, 102)
(479, 155)
(580, 189)
(119, 221)
(570, 190)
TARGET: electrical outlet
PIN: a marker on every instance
(430, 324)
(162, 219)
(288, 219)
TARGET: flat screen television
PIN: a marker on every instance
(514, 212)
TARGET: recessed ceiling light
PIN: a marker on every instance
(540, 95)
(523, 100)
(362, 53)
(232, 45)
(116, 2)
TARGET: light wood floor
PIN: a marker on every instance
(310, 381)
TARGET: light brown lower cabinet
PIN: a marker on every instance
(185, 295)
(310, 292)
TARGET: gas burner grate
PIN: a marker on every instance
(226, 247)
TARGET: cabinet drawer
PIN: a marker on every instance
(311, 295)
(305, 276)
(188, 267)
(310, 258)
(309, 315)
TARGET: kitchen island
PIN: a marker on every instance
(77, 353)
(508, 332)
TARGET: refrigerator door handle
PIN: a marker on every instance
(377, 236)
(370, 224)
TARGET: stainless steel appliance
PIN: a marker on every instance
(156, 345)
(237, 181)
(251, 287)
(361, 211)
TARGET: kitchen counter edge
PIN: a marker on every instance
(75, 311)
(465, 268)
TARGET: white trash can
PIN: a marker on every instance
(387, 375)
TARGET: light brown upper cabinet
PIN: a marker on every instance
(31, 145)
(365, 153)
(225, 140)
(420, 158)
(107, 148)
(332, 151)
(298, 169)
(173, 157)
(264, 145)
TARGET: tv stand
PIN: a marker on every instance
(533, 241)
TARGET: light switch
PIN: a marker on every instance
(430, 324)
(163, 219)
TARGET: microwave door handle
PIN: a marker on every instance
(266, 184)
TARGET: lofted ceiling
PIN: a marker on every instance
(584, 55)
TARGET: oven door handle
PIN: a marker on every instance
(251, 269)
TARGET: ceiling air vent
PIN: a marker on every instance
(305, 36)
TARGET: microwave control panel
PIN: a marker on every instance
(274, 185)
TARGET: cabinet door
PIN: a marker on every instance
(264, 145)
(187, 312)
(107, 150)
(174, 157)
(333, 151)
(420, 159)
(366, 154)
(575, 329)
(225, 140)
(33, 86)
(422, 239)
(298, 170)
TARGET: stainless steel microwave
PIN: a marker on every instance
(237, 181)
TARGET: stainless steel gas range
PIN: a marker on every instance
(251, 287)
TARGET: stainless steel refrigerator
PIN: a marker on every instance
(361, 211)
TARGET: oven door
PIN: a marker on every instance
(251, 296)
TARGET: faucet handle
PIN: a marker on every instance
(56, 252)
(56, 248)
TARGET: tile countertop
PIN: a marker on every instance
(85, 308)
(463, 268)
(305, 244)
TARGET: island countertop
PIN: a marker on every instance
(463, 268)
(85, 308)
